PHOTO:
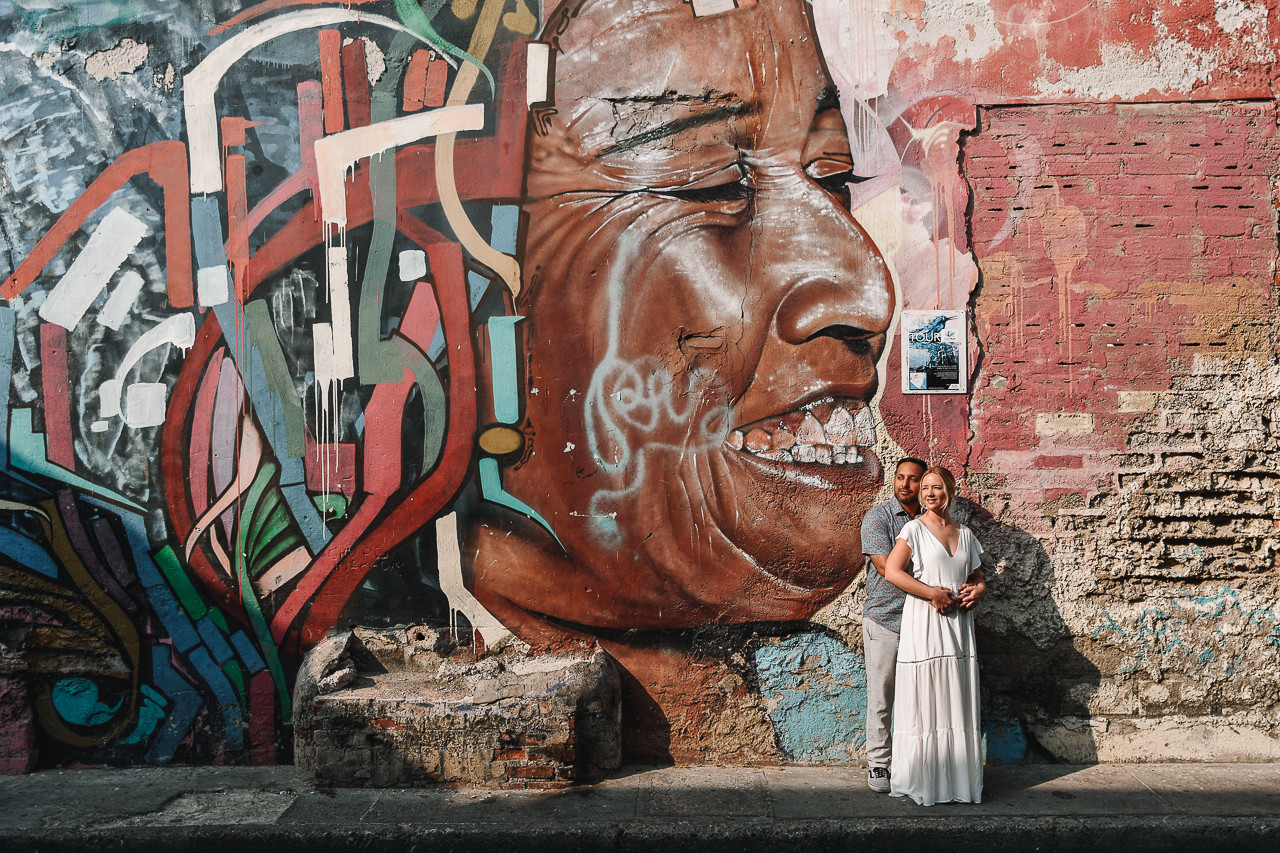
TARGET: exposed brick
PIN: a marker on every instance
(532, 771)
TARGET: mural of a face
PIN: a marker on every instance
(704, 319)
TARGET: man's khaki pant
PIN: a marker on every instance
(880, 645)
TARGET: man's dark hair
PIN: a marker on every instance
(924, 466)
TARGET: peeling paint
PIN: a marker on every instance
(125, 58)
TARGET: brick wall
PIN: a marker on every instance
(1122, 419)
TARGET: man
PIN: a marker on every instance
(882, 615)
(703, 320)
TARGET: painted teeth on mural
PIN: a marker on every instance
(835, 442)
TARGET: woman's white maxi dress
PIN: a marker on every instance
(937, 730)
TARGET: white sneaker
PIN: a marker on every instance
(878, 779)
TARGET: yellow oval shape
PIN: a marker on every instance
(500, 441)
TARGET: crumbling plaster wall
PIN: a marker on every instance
(1123, 456)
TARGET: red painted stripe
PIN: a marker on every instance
(262, 719)
(166, 163)
(331, 79)
(56, 379)
(237, 220)
(415, 81)
(355, 74)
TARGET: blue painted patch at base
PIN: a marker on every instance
(1003, 736)
(815, 689)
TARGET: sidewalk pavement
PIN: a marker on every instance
(1049, 808)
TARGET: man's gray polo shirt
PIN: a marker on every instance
(880, 529)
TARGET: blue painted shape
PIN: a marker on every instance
(1003, 737)
(76, 701)
(150, 715)
(27, 552)
(502, 361)
(186, 704)
(228, 701)
(206, 232)
(248, 654)
(27, 453)
(505, 220)
(162, 599)
(214, 640)
(266, 405)
(491, 488)
(816, 692)
(477, 286)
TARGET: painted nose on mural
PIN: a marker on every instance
(846, 294)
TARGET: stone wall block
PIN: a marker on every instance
(406, 707)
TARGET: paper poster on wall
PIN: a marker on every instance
(935, 353)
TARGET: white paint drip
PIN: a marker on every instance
(125, 58)
(340, 305)
(179, 330)
(859, 46)
(336, 154)
(460, 598)
(108, 247)
(114, 314)
(201, 85)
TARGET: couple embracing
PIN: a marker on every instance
(924, 577)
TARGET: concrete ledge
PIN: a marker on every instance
(904, 835)
(1047, 808)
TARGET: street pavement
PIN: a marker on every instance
(1050, 808)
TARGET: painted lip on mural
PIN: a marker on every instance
(833, 432)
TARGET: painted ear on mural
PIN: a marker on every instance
(702, 323)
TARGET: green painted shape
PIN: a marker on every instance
(268, 527)
(331, 502)
(414, 18)
(218, 618)
(273, 551)
(262, 337)
(491, 488)
(27, 452)
(249, 596)
(181, 585)
(236, 675)
(431, 389)
(502, 362)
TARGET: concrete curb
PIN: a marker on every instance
(954, 834)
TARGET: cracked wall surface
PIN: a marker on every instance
(576, 326)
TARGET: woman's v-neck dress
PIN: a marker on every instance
(937, 730)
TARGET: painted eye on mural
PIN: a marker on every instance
(723, 186)
(834, 176)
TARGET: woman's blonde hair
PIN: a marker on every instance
(948, 485)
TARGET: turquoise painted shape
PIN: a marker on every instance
(76, 701)
(27, 453)
(502, 361)
(816, 692)
(1004, 740)
(27, 552)
(150, 714)
(491, 488)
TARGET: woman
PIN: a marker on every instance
(937, 732)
